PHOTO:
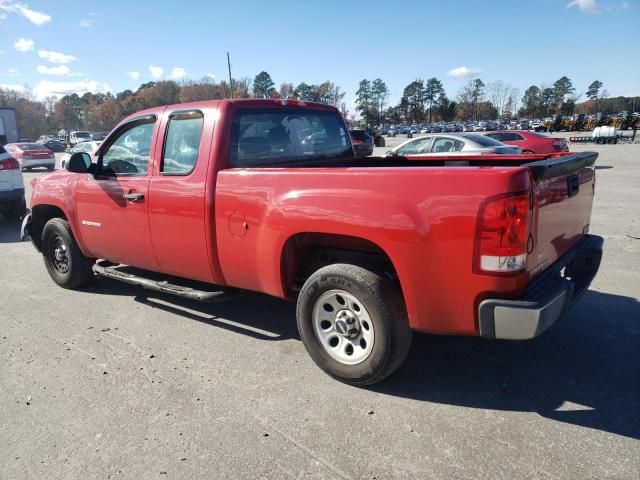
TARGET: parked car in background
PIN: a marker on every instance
(99, 136)
(453, 144)
(32, 155)
(362, 142)
(77, 137)
(44, 138)
(89, 147)
(12, 203)
(530, 142)
(467, 128)
(55, 145)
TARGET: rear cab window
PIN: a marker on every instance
(287, 137)
(182, 143)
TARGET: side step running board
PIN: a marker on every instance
(109, 270)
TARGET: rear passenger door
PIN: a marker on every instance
(178, 194)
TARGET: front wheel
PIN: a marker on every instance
(66, 264)
(353, 324)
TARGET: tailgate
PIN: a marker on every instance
(564, 188)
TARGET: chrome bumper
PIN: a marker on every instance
(546, 299)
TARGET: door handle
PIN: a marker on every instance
(133, 196)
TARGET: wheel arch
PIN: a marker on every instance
(304, 253)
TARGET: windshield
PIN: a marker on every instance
(269, 137)
(83, 134)
(484, 141)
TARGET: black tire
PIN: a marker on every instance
(75, 270)
(384, 305)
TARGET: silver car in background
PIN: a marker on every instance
(453, 144)
(89, 147)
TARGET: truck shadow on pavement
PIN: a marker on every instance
(585, 371)
(252, 314)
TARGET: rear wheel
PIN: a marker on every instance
(66, 264)
(353, 324)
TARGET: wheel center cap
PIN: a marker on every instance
(347, 324)
(60, 254)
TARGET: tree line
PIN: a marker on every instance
(421, 101)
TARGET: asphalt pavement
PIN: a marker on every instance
(116, 382)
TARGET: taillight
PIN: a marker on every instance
(502, 234)
(9, 164)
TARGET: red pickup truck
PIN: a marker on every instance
(206, 199)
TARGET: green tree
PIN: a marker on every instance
(364, 100)
(303, 92)
(263, 85)
(379, 95)
(561, 88)
(433, 89)
(593, 91)
(532, 102)
(415, 95)
(478, 95)
(446, 108)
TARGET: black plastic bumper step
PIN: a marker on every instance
(185, 288)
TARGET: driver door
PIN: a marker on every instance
(112, 206)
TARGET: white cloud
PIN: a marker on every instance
(625, 5)
(463, 72)
(13, 72)
(134, 75)
(56, 57)
(48, 88)
(12, 86)
(589, 6)
(211, 76)
(85, 23)
(178, 73)
(156, 72)
(59, 70)
(35, 17)
(23, 44)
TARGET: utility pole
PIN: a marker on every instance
(229, 67)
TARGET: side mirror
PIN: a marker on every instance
(79, 162)
(390, 153)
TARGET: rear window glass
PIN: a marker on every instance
(359, 135)
(2, 150)
(30, 146)
(483, 140)
(276, 137)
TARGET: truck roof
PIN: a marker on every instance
(236, 102)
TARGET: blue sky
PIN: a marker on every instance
(67, 45)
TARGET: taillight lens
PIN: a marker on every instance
(9, 164)
(502, 234)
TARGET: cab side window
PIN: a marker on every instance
(128, 154)
(182, 143)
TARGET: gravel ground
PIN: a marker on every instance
(116, 382)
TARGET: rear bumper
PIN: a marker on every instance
(37, 162)
(546, 299)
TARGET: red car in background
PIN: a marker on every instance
(32, 155)
(530, 142)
